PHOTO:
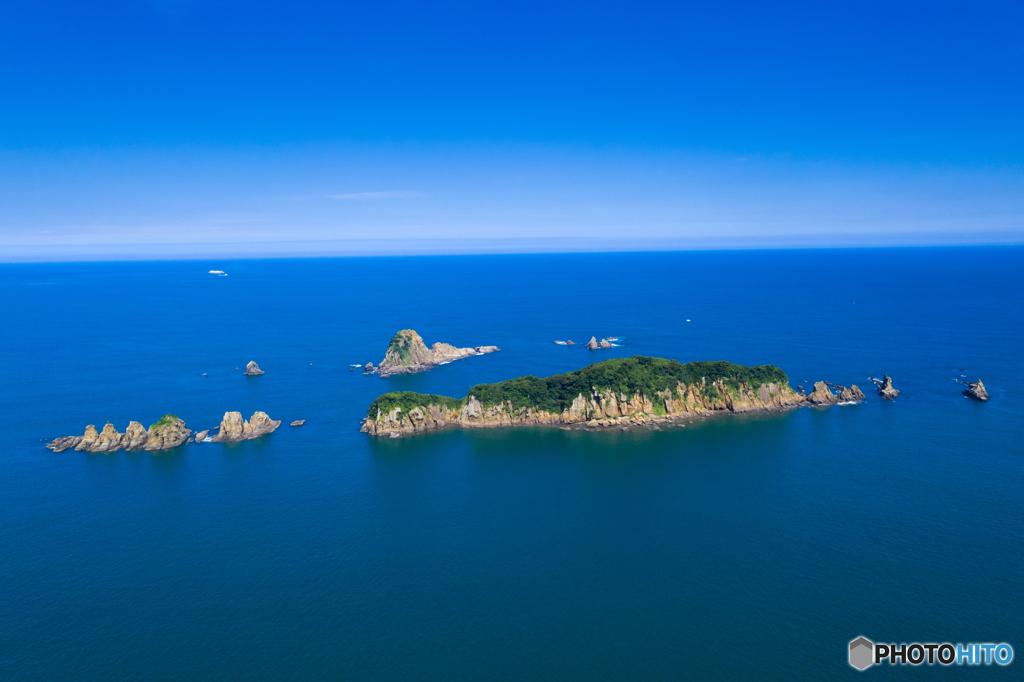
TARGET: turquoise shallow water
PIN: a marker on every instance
(752, 547)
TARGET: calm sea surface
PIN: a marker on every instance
(745, 548)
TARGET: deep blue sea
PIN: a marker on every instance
(738, 548)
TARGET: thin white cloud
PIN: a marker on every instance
(378, 195)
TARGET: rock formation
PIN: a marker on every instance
(167, 433)
(298, 422)
(594, 344)
(976, 390)
(252, 370)
(201, 436)
(570, 342)
(368, 368)
(850, 395)
(233, 427)
(885, 388)
(407, 354)
(822, 395)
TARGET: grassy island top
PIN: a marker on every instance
(164, 420)
(628, 376)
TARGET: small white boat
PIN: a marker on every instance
(220, 273)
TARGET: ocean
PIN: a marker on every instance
(750, 547)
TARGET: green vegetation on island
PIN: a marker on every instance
(400, 347)
(408, 400)
(627, 376)
(164, 421)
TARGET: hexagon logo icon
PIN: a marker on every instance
(862, 653)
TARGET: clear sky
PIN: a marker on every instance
(183, 128)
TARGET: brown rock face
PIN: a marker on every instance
(592, 344)
(201, 436)
(253, 370)
(885, 388)
(298, 422)
(170, 434)
(604, 343)
(407, 354)
(850, 395)
(822, 395)
(976, 391)
(233, 427)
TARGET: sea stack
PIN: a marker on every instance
(233, 427)
(885, 388)
(592, 344)
(822, 395)
(850, 395)
(253, 370)
(976, 391)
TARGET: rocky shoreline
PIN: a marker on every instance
(604, 408)
(169, 432)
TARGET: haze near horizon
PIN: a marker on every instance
(188, 129)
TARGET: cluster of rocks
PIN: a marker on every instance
(408, 354)
(594, 344)
(567, 342)
(169, 432)
(823, 395)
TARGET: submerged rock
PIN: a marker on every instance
(253, 370)
(976, 391)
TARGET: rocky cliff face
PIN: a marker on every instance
(407, 354)
(169, 432)
(599, 408)
(976, 391)
(233, 427)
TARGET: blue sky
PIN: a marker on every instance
(178, 128)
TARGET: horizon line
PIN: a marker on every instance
(373, 248)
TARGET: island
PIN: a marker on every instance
(408, 354)
(619, 392)
(169, 432)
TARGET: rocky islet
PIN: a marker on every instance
(169, 432)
